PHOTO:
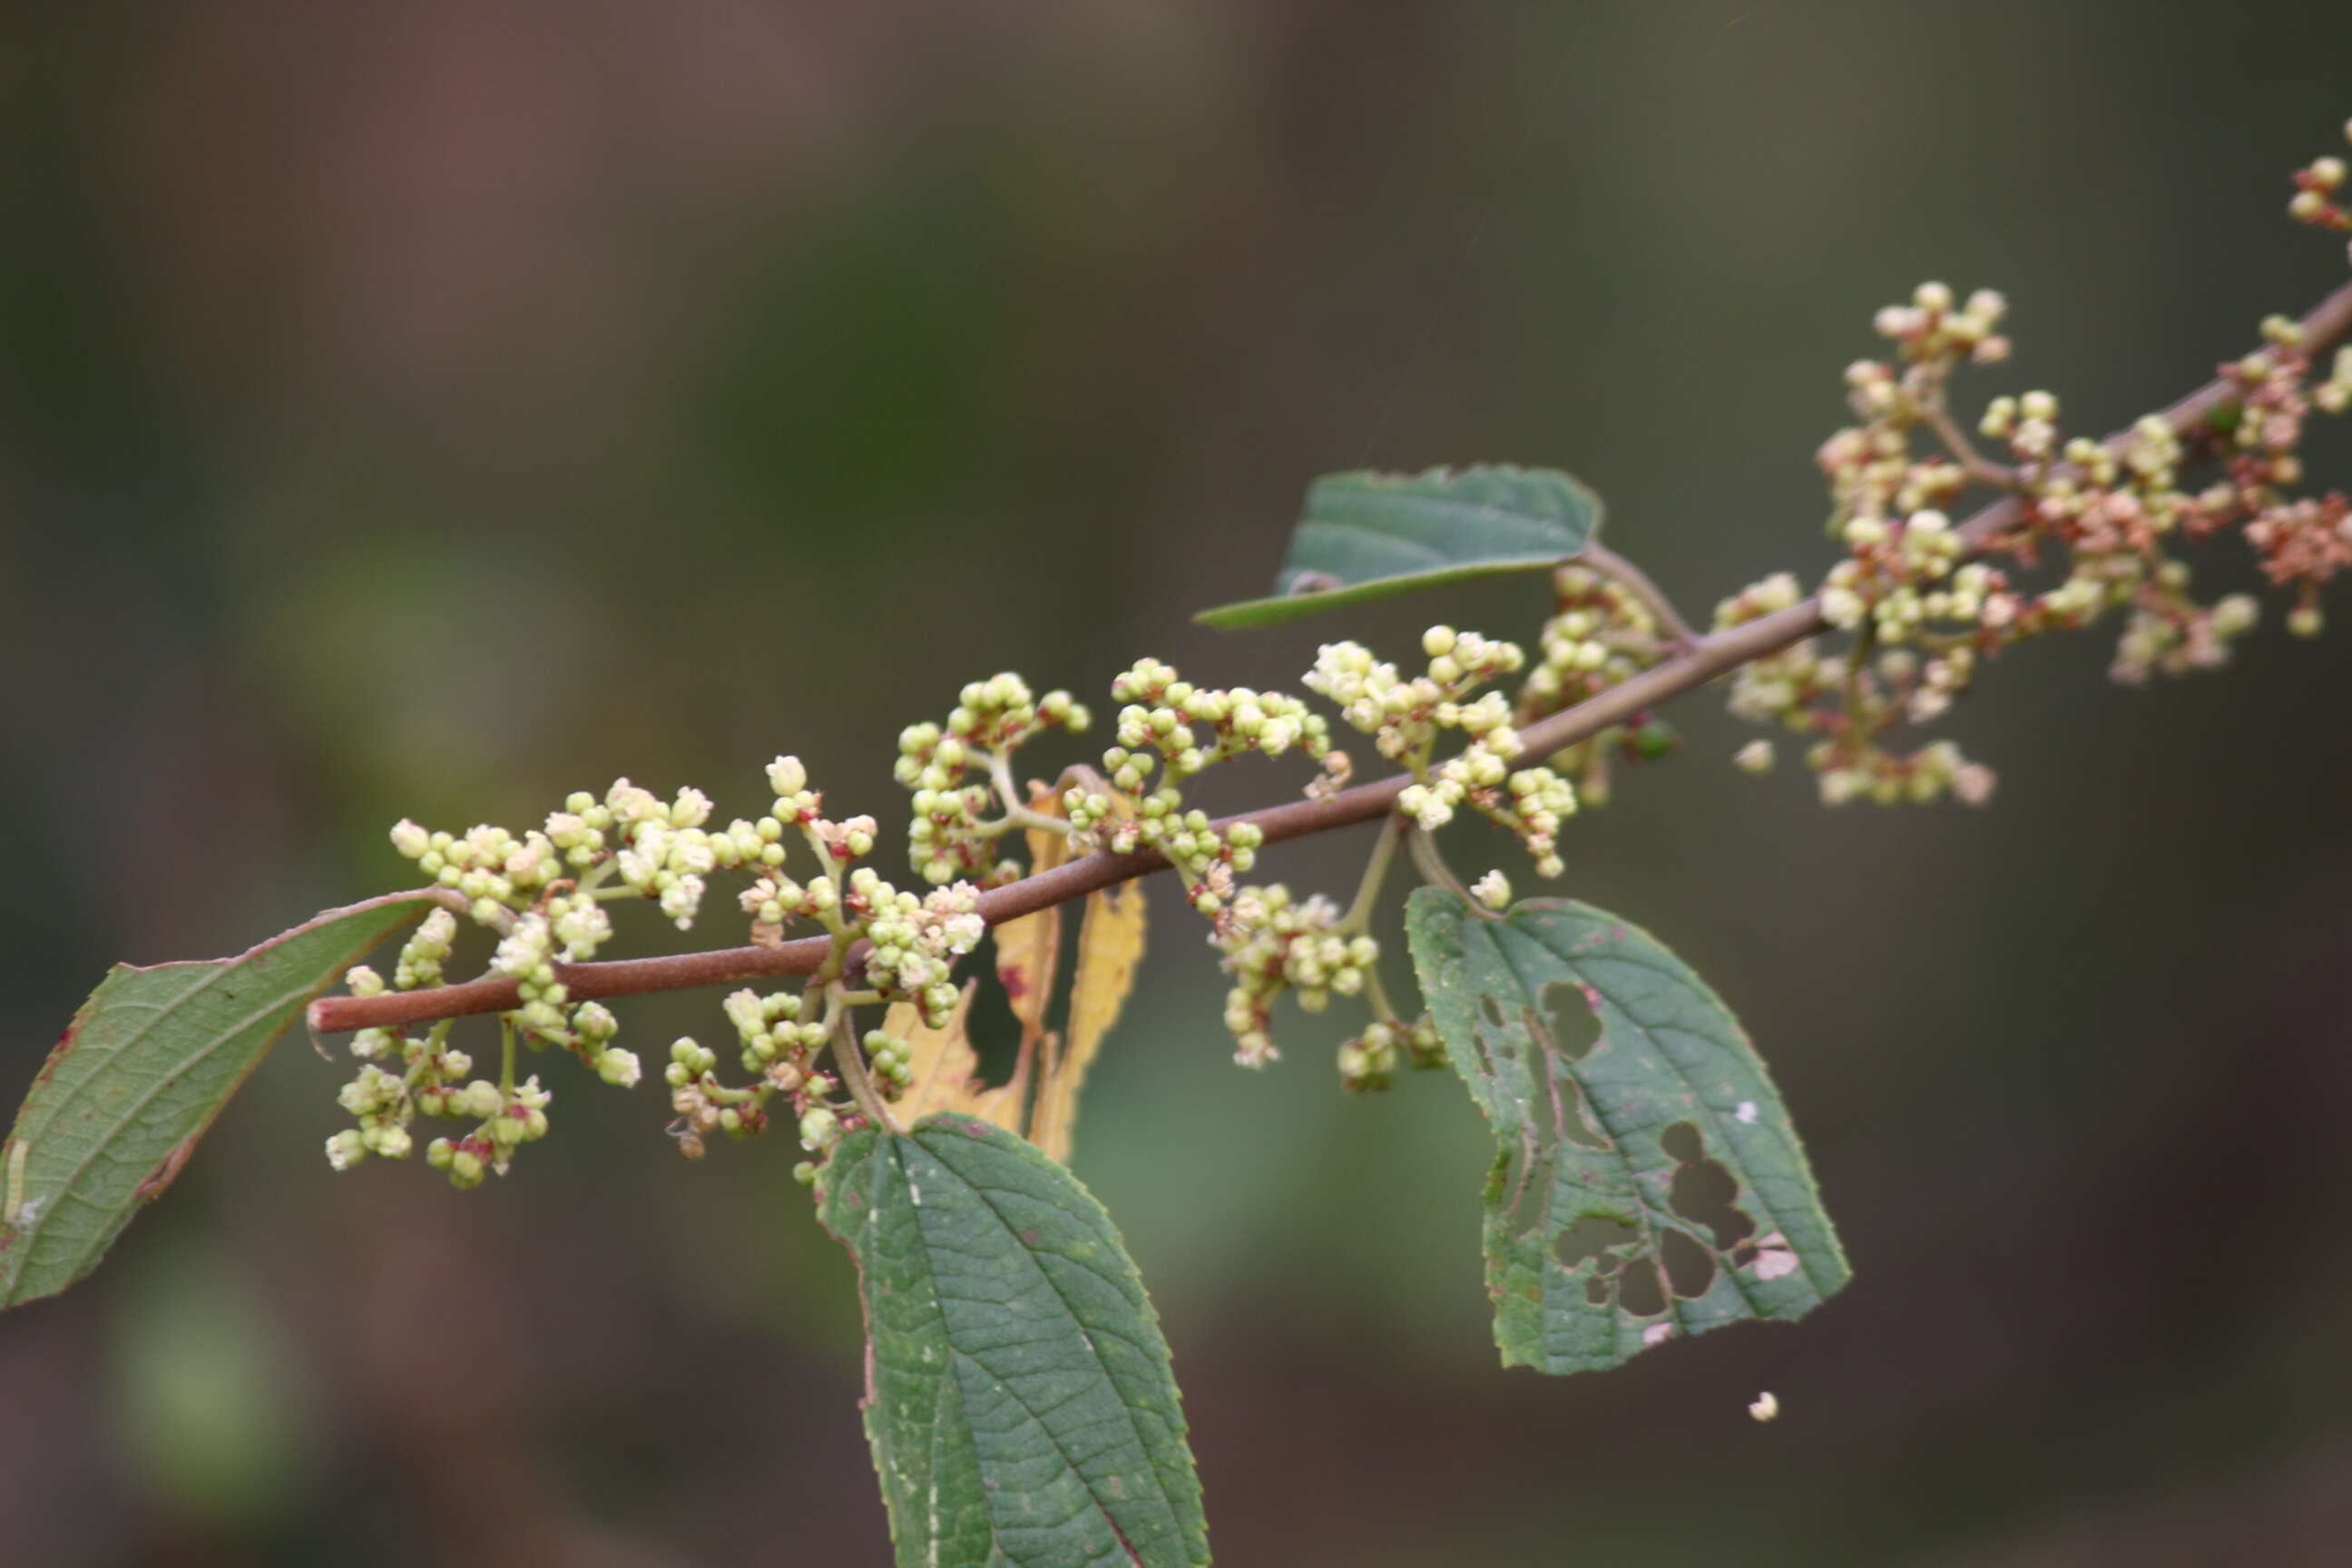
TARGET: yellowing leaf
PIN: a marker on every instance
(1110, 947)
(1029, 949)
(945, 1071)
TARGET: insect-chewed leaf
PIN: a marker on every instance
(944, 1070)
(1647, 1185)
(1366, 536)
(147, 1063)
(1018, 1392)
(1110, 947)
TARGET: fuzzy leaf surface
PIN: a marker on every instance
(1368, 536)
(1018, 1392)
(147, 1063)
(1645, 1186)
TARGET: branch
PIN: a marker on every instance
(1975, 464)
(1706, 657)
(1637, 582)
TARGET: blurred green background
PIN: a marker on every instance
(430, 409)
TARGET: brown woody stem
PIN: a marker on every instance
(1705, 659)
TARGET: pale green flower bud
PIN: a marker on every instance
(820, 1129)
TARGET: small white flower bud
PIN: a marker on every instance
(786, 776)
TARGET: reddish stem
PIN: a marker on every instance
(1705, 659)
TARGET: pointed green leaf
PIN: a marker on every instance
(145, 1065)
(1647, 1185)
(1018, 1394)
(1367, 536)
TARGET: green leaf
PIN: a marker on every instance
(1645, 1186)
(145, 1065)
(1367, 536)
(1018, 1395)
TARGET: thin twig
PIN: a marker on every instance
(1937, 417)
(1376, 872)
(1706, 657)
(1430, 864)
(849, 1061)
(1608, 563)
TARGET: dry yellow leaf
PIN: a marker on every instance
(944, 1070)
(1110, 947)
(1029, 949)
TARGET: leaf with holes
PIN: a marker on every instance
(1646, 1186)
(1018, 1394)
(144, 1067)
(1367, 536)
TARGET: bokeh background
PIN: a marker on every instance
(430, 409)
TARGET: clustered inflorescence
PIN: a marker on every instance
(1600, 635)
(2087, 530)
(1273, 943)
(1926, 608)
(947, 834)
(545, 894)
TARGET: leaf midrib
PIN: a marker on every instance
(1143, 1446)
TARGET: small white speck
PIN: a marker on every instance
(1775, 1263)
(1656, 1334)
(1765, 1407)
(1747, 1112)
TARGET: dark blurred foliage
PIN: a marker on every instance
(430, 409)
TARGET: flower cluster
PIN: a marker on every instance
(947, 834)
(1271, 941)
(403, 1078)
(1406, 718)
(1871, 469)
(1924, 616)
(2086, 530)
(1368, 1062)
(911, 944)
(778, 1048)
(546, 894)
(1274, 943)
(1170, 731)
(403, 1075)
(2317, 193)
(657, 850)
(421, 958)
(1601, 634)
(545, 891)
(1901, 584)
(2300, 542)
(915, 941)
